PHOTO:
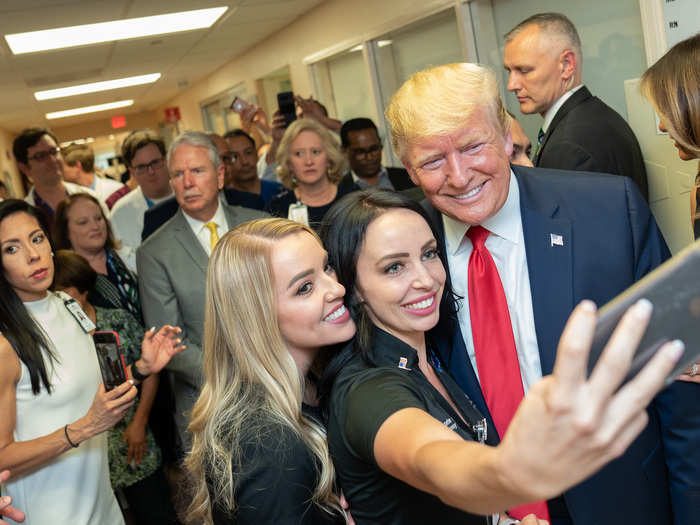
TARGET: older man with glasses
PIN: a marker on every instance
(39, 160)
(144, 155)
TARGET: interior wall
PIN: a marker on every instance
(325, 26)
(100, 127)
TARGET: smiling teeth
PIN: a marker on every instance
(422, 305)
(334, 315)
(471, 193)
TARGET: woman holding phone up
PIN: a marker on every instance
(52, 437)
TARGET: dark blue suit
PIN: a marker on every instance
(610, 240)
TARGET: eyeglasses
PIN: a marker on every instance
(371, 151)
(155, 164)
(229, 158)
(43, 155)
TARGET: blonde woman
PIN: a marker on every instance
(310, 165)
(259, 453)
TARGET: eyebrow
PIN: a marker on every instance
(298, 276)
(406, 254)
(16, 239)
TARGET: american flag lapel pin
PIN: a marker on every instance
(402, 363)
(556, 240)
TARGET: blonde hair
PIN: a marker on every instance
(248, 371)
(672, 85)
(336, 159)
(439, 101)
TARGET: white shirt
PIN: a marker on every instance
(203, 233)
(104, 187)
(551, 112)
(127, 217)
(507, 247)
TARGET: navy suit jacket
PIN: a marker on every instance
(610, 241)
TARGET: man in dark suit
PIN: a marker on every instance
(579, 132)
(172, 263)
(360, 140)
(555, 238)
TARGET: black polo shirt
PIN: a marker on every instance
(362, 398)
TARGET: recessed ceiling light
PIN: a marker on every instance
(82, 35)
(89, 109)
(96, 86)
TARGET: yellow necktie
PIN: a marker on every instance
(213, 236)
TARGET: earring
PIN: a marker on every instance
(52, 254)
(294, 180)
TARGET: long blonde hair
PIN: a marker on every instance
(247, 371)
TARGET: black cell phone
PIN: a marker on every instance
(674, 290)
(111, 359)
(285, 101)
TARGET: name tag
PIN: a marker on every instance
(77, 312)
(298, 212)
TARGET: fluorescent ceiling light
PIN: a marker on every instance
(89, 109)
(82, 35)
(380, 43)
(96, 86)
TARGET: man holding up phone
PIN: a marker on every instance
(524, 246)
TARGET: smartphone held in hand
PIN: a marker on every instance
(239, 105)
(674, 292)
(111, 359)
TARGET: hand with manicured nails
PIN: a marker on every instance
(585, 422)
(157, 348)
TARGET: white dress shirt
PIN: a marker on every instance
(507, 247)
(203, 233)
(104, 187)
(551, 112)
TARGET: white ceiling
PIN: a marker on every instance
(182, 58)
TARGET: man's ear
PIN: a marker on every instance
(567, 61)
(508, 144)
(24, 168)
(220, 176)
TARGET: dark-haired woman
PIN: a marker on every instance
(80, 225)
(55, 409)
(405, 440)
(134, 456)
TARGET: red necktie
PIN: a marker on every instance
(494, 346)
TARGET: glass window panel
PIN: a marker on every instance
(350, 85)
(611, 39)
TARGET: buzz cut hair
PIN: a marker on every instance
(553, 25)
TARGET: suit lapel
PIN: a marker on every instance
(548, 248)
(231, 216)
(449, 339)
(189, 242)
(574, 100)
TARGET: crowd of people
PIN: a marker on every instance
(347, 342)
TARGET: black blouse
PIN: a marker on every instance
(361, 399)
(278, 480)
(279, 205)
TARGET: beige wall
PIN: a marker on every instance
(332, 22)
(100, 127)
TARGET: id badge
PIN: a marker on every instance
(299, 212)
(76, 311)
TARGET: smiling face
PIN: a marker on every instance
(308, 158)
(310, 309)
(87, 228)
(364, 152)
(47, 169)
(196, 181)
(465, 174)
(537, 74)
(400, 278)
(26, 256)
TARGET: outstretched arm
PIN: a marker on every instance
(567, 427)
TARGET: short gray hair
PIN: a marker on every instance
(552, 24)
(196, 139)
